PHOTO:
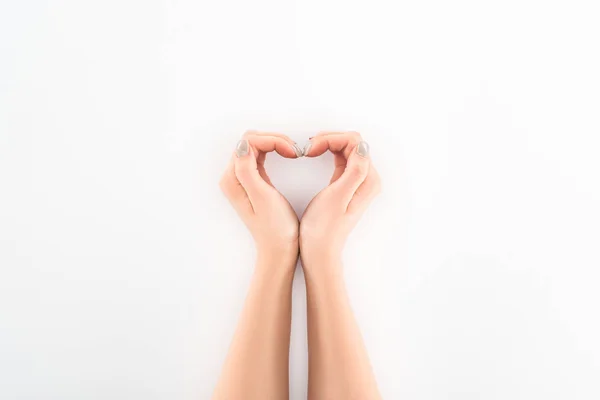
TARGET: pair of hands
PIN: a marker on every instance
(329, 217)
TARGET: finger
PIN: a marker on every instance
(328, 133)
(246, 172)
(341, 144)
(336, 142)
(260, 133)
(260, 163)
(366, 192)
(266, 143)
(355, 173)
(234, 191)
(263, 173)
(340, 163)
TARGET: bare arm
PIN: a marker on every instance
(257, 363)
(339, 367)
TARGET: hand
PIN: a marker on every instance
(333, 213)
(267, 214)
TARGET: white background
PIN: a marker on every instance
(123, 269)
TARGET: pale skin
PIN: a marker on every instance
(256, 366)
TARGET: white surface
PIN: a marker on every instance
(122, 268)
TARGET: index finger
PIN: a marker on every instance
(267, 143)
(339, 143)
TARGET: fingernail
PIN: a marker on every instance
(297, 150)
(306, 149)
(242, 148)
(363, 149)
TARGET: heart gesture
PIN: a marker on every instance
(257, 363)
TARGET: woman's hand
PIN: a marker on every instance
(267, 214)
(333, 213)
(258, 360)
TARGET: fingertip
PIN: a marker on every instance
(306, 150)
(242, 148)
(244, 159)
(363, 149)
(299, 152)
(315, 147)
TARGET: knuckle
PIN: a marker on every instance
(355, 135)
(359, 170)
(242, 174)
(354, 139)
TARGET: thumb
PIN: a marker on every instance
(246, 172)
(355, 173)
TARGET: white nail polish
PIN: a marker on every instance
(363, 149)
(298, 150)
(306, 149)
(242, 148)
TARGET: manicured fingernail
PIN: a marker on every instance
(362, 149)
(242, 148)
(306, 149)
(298, 150)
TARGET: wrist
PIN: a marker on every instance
(321, 262)
(277, 258)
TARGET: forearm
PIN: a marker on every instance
(257, 364)
(339, 366)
